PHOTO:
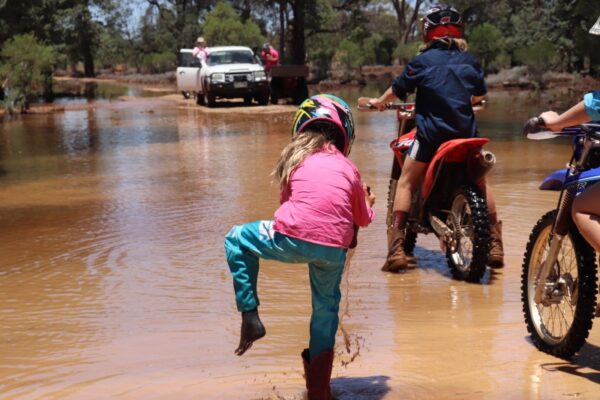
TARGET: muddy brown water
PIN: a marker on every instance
(113, 282)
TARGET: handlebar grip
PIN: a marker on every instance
(534, 125)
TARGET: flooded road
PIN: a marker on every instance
(113, 282)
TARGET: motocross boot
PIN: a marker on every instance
(305, 360)
(496, 253)
(396, 258)
(317, 373)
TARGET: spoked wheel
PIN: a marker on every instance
(561, 322)
(468, 220)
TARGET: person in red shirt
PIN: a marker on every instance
(270, 57)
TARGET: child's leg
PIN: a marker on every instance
(243, 264)
(325, 288)
(244, 244)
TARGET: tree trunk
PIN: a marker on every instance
(400, 8)
(413, 20)
(87, 41)
(282, 12)
(298, 44)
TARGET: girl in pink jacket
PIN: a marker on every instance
(322, 199)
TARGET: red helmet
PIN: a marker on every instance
(442, 21)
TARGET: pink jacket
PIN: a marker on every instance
(201, 53)
(323, 201)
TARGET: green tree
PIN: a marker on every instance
(538, 58)
(224, 27)
(486, 41)
(26, 69)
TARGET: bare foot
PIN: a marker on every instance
(252, 330)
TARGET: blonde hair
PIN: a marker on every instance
(302, 146)
(461, 44)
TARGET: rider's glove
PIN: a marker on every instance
(534, 125)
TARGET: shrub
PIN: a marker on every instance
(538, 58)
(26, 70)
(156, 63)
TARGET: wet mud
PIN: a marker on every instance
(113, 282)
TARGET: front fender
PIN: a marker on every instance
(554, 181)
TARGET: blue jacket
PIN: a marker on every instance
(445, 79)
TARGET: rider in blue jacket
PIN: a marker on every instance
(448, 80)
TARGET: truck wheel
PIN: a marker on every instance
(200, 99)
(263, 98)
(210, 99)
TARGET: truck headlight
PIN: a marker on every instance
(260, 76)
(217, 78)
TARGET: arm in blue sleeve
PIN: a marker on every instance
(591, 102)
(480, 86)
(408, 80)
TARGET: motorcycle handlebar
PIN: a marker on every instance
(409, 108)
(365, 105)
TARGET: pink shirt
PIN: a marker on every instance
(274, 54)
(201, 53)
(323, 201)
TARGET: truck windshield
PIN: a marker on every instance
(231, 57)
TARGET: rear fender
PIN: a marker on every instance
(452, 151)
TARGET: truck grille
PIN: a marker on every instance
(237, 77)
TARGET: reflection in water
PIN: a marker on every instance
(113, 278)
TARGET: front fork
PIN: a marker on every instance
(560, 230)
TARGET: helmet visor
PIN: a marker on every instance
(442, 17)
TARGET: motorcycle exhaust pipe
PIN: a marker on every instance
(481, 164)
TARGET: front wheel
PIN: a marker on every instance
(211, 99)
(560, 323)
(467, 253)
(200, 100)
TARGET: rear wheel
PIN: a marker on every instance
(560, 323)
(468, 220)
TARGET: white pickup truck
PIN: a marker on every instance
(229, 72)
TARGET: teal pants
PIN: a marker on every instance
(246, 244)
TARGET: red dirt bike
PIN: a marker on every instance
(450, 201)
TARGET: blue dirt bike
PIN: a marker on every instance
(559, 269)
